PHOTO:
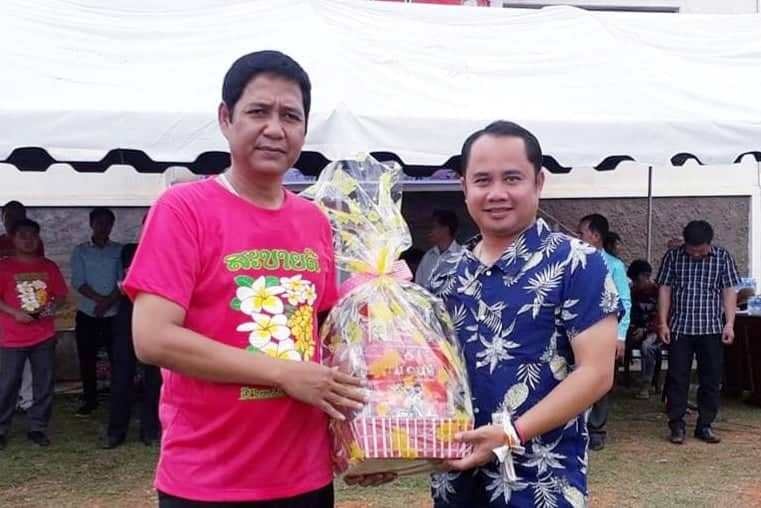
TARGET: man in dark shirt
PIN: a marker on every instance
(123, 370)
(644, 322)
(696, 313)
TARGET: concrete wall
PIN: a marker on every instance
(627, 216)
(63, 228)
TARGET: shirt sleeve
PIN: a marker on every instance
(424, 270)
(167, 262)
(624, 294)
(589, 295)
(729, 277)
(77, 268)
(666, 271)
(57, 283)
(119, 266)
(331, 276)
(5, 280)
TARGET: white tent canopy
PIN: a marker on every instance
(84, 77)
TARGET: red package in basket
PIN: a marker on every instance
(388, 331)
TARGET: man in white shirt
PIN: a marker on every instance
(442, 236)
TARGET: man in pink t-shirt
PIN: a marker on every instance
(228, 281)
(31, 289)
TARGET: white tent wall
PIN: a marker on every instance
(61, 185)
(412, 79)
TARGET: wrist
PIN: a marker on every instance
(279, 371)
(519, 431)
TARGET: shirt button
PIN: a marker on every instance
(488, 273)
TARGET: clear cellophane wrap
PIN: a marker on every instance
(388, 331)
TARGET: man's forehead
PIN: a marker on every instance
(501, 145)
(499, 152)
(266, 86)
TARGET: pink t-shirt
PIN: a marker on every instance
(32, 287)
(254, 279)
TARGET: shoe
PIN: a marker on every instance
(677, 436)
(38, 438)
(596, 443)
(113, 442)
(643, 394)
(86, 410)
(3, 442)
(706, 435)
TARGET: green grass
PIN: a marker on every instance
(637, 468)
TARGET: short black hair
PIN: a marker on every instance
(14, 204)
(597, 223)
(24, 224)
(697, 232)
(448, 219)
(102, 211)
(247, 67)
(638, 266)
(610, 240)
(504, 129)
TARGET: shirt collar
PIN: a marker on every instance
(91, 243)
(453, 247)
(516, 255)
(711, 253)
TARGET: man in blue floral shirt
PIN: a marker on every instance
(535, 313)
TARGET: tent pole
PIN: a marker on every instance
(649, 214)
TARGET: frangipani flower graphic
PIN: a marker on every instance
(265, 330)
(295, 289)
(284, 350)
(259, 296)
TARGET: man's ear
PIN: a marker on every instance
(224, 117)
(540, 180)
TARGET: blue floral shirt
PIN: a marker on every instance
(516, 321)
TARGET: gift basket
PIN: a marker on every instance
(388, 331)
